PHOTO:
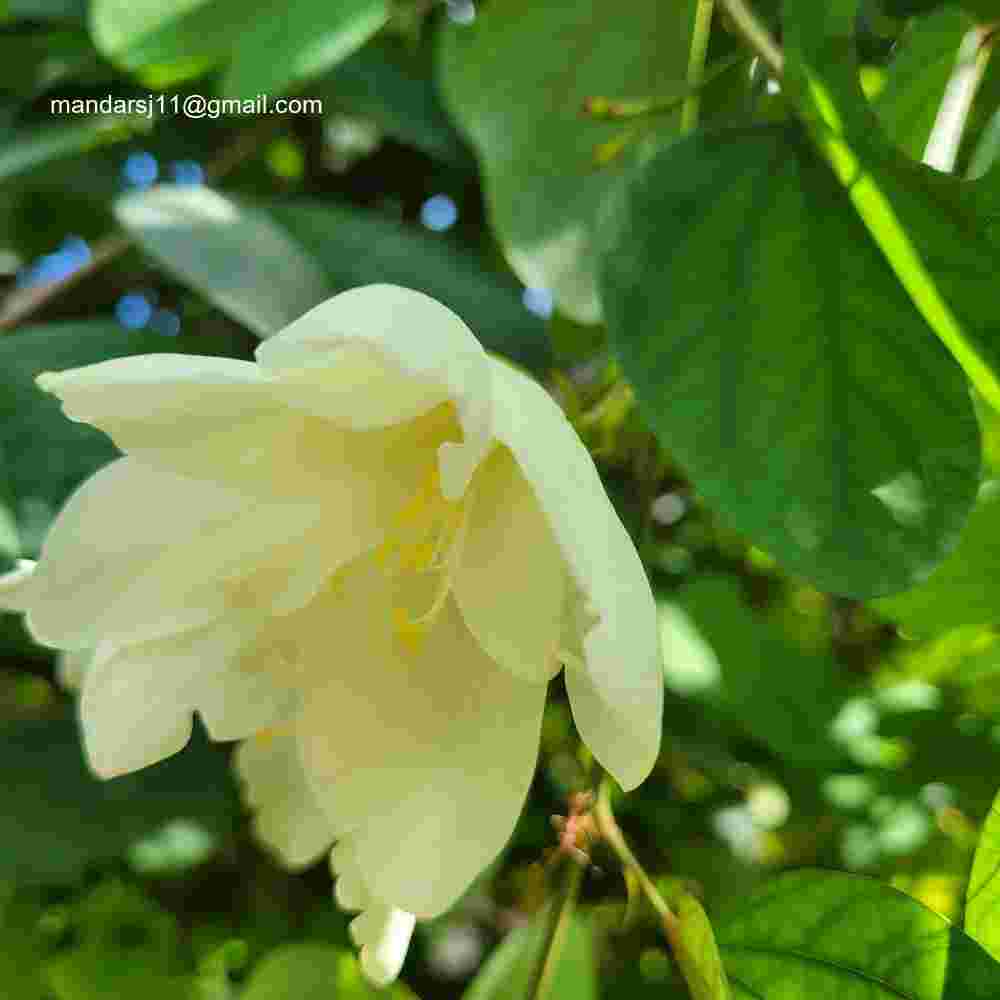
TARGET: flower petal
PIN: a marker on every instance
(137, 699)
(288, 819)
(618, 700)
(510, 577)
(381, 932)
(422, 755)
(137, 553)
(14, 589)
(379, 355)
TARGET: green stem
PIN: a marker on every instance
(612, 835)
(755, 34)
(949, 125)
(696, 64)
(556, 930)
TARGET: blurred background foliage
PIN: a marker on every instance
(801, 728)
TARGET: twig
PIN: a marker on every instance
(612, 835)
(555, 934)
(755, 34)
(696, 64)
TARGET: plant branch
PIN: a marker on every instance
(755, 34)
(612, 835)
(556, 929)
(696, 64)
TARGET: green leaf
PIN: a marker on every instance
(313, 971)
(693, 944)
(187, 35)
(506, 974)
(297, 972)
(22, 947)
(965, 588)
(829, 934)
(982, 897)
(391, 85)
(803, 394)
(58, 818)
(44, 456)
(938, 234)
(790, 714)
(922, 64)
(27, 148)
(536, 145)
(285, 44)
(233, 254)
(356, 247)
(126, 947)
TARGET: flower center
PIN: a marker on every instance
(425, 538)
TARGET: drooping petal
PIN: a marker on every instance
(287, 818)
(510, 575)
(72, 666)
(14, 588)
(138, 699)
(617, 699)
(381, 355)
(422, 751)
(137, 553)
(381, 932)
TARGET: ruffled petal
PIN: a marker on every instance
(138, 553)
(138, 699)
(510, 577)
(382, 355)
(14, 589)
(617, 693)
(287, 818)
(422, 752)
(381, 932)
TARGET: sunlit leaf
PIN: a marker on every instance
(804, 395)
(233, 254)
(829, 934)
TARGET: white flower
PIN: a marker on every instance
(377, 539)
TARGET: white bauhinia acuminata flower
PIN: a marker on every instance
(377, 540)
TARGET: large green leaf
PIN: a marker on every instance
(922, 64)
(44, 456)
(356, 247)
(506, 975)
(58, 818)
(775, 354)
(982, 898)
(516, 79)
(965, 588)
(285, 44)
(828, 934)
(135, 34)
(233, 254)
(938, 234)
(297, 972)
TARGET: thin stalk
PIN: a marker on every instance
(755, 34)
(696, 64)
(556, 929)
(612, 835)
